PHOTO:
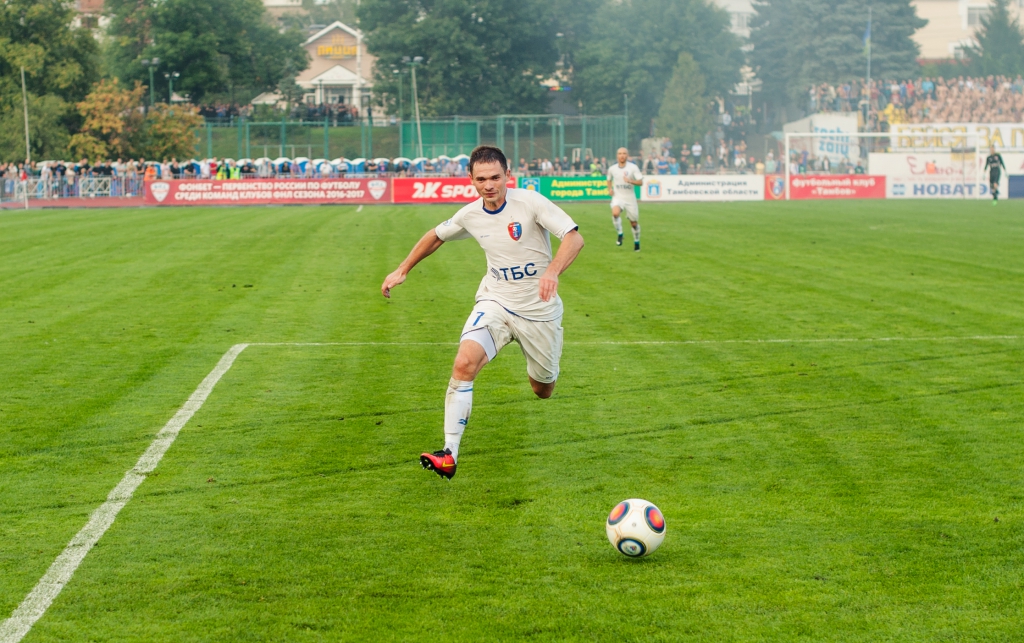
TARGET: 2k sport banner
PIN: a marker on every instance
(268, 192)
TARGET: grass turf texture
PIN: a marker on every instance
(815, 491)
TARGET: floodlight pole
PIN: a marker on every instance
(170, 76)
(151, 64)
(416, 101)
(28, 149)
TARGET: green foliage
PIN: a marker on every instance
(615, 59)
(170, 131)
(684, 116)
(801, 42)
(480, 57)
(216, 45)
(111, 121)
(1000, 48)
(114, 125)
(48, 129)
(58, 59)
(317, 12)
(60, 64)
(287, 87)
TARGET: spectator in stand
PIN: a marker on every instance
(695, 152)
(523, 167)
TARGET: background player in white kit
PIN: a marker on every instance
(621, 179)
(518, 297)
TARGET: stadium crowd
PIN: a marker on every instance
(338, 114)
(992, 99)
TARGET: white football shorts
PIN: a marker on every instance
(630, 208)
(493, 327)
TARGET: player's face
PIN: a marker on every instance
(489, 180)
(622, 156)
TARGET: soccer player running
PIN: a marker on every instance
(993, 164)
(518, 297)
(621, 179)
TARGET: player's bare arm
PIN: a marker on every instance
(423, 249)
(572, 243)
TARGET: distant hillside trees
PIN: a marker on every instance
(218, 46)
(797, 43)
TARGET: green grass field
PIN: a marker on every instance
(814, 490)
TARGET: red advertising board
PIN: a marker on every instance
(268, 191)
(450, 189)
(836, 186)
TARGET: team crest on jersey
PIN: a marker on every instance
(515, 230)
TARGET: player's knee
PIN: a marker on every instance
(465, 367)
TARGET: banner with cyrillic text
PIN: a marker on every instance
(268, 192)
(703, 187)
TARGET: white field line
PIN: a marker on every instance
(63, 568)
(690, 342)
(359, 209)
(53, 581)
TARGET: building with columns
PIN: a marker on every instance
(340, 71)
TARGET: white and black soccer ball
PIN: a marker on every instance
(635, 527)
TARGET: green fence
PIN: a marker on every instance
(529, 136)
(520, 136)
(312, 139)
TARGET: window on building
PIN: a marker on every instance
(741, 21)
(975, 15)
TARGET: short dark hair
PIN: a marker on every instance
(487, 154)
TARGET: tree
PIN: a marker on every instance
(1000, 44)
(48, 129)
(683, 116)
(798, 43)
(60, 64)
(170, 132)
(288, 88)
(115, 125)
(216, 45)
(481, 56)
(615, 61)
(321, 12)
(111, 121)
(58, 59)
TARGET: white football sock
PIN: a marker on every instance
(636, 233)
(618, 224)
(458, 402)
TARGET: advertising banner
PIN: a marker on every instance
(569, 188)
(841, 143)
(703, 187)
(941, 175)
(268, 192)
(1007, 137)
(448, 189)
(836, 186)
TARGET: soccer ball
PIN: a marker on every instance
(635, 527)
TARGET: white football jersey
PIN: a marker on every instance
(518, 249)
(618, 175)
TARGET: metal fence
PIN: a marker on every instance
(529, 136)
(520, 136)
(71, 187)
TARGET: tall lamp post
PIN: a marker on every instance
(415, 62)
(401, 144)
(151, 64)
(170, 76)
